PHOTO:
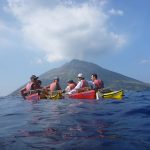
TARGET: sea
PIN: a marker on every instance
(105, 124)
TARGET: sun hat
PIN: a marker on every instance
(80, 75)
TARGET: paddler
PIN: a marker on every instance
(54, 86)
(98, 83)
(81, 86)
(70, 85)
(31, 85)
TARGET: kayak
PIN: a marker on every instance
(83, 95)
(112, 94)
(55, 96)
(34, 96)
(37, 96)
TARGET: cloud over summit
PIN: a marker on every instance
(63, 31)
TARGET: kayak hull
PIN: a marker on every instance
(113, 95)
(34, 96)
(83, 95)
(37, 96)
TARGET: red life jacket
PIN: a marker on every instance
(84, 84)
(54, 87)
(99, 84)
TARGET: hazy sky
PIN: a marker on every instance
(38, 35)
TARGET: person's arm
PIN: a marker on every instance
(23, 90)
(78, 86)
(46, 87)
(67, 89)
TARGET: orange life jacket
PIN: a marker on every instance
(28, 86)
(54, 87)
(84, 84)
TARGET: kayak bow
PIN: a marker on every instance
(112, 95)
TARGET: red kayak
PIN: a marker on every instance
(34, 96)
(83, 95)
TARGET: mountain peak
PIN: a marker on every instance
(77, 61)
(111, 79)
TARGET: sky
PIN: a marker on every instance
(36, 36)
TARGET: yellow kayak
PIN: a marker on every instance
(56, 95)
(112, 94)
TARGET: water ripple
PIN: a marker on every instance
(143, 111)
(71, 124)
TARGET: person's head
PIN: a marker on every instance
(33, 78)
(56, 79)
(39, 82)
(70, 81)
(94, 76)
(80, 76)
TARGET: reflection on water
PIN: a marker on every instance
(74, 124)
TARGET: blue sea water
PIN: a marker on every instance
(76, 124)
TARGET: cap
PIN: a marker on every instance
(34, 77)
(80, 75)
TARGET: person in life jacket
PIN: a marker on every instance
(98, 83)
(81, 86)
(70, 85)
(32, 85)
(54, 86)
(39, 84)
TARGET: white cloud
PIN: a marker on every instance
(116, 12)
(6, 34)
(145, 61)
(37, 61)
(65, 32)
